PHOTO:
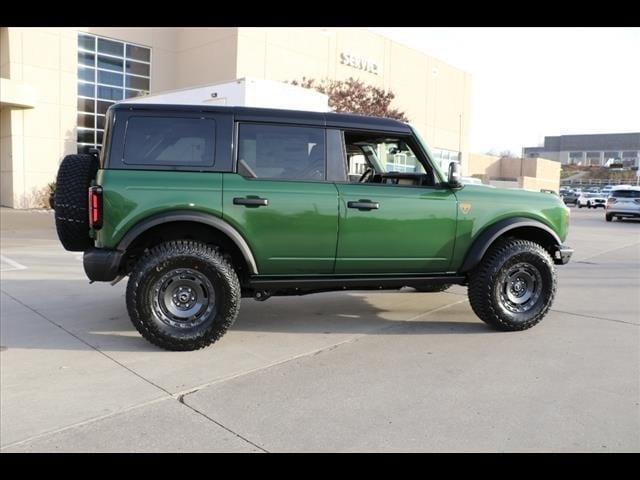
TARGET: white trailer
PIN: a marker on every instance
(244, 92)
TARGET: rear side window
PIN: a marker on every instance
(281, 152)
(626, 193)
(169, 141)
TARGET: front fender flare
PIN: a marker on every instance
(483, 241)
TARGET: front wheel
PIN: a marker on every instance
(608, 217)
(514, 286)
(183, 295)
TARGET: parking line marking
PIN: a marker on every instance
(12, 264)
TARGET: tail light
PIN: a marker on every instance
(95, 207)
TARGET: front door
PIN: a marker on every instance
(394, 216)
(280, 200)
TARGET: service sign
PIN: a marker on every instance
(361, 63)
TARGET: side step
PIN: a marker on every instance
(350, 283)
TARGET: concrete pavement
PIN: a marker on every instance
(352, 371)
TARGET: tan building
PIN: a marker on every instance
(58, 82)
(528, 173)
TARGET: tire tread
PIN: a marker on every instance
(163, 252)
(481, 282)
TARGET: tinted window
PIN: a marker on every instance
(138, 53)
(281, 152)
(626, 193)
(137, 68)
(169, 141)
(110, 47)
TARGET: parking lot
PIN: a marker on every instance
(348, 371)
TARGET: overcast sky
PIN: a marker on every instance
(532, 82)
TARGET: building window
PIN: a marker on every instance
(629, 154)
(610, 155)
(444, 157)
(576, 157)
(108, 71)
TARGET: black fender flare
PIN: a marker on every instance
(191, 216)
(484, 240)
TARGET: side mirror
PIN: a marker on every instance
(453, 177)
(94, 151)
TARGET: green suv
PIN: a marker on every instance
(201, 206)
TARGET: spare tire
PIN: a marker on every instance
(71, 201)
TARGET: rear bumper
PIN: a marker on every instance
(562, 255)
(627, 211)
(101, 265)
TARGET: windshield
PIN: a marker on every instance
(425, 146)
(626, 193)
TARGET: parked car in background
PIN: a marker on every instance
(606, 190)
(623, 202)
(544, 190)
(591, 200)
(570, 198)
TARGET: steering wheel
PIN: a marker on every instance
(367, 173)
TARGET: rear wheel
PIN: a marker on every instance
(514, 286)
(608, 217)
(183, 295)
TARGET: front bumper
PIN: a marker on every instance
(562, 255)
(101, 264)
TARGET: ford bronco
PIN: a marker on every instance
(201, 206)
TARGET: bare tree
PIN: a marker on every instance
(354, 96)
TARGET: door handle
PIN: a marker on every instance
(251, 202)
(364, 205)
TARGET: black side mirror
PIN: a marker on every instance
(453, 177)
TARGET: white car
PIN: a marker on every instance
(592, 200)
(606, 191)
(624, 202)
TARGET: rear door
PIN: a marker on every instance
(280, 200)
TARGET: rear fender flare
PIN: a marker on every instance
(197, 217)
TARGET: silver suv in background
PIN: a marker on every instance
(623, 202)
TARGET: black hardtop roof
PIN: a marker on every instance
(329, 119)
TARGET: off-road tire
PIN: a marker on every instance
(433, 288)
(608, 217)
(71, 201)
(177, 255)
(484, 284)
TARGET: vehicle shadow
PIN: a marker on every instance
(73, 315)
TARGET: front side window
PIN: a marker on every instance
(169, 141)
(108, 71)
(380, 158)
(281, 152)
